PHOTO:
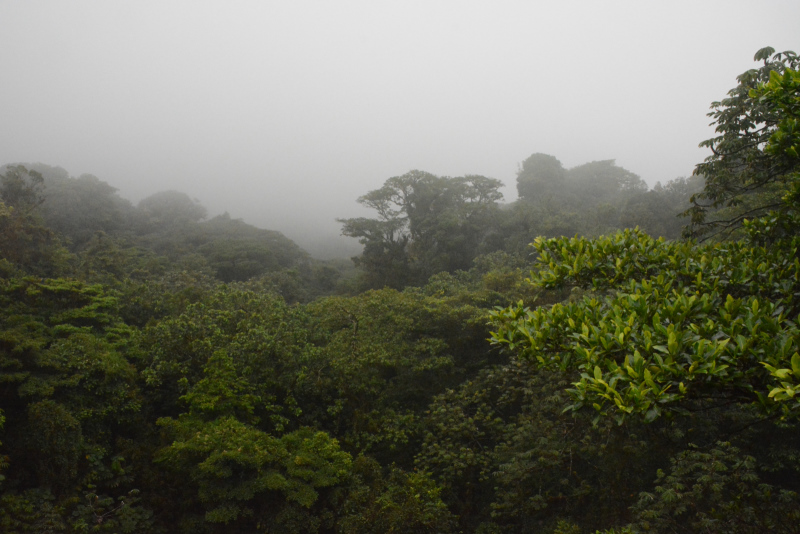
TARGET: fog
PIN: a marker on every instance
(283, 113)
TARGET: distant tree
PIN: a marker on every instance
(172, 208)
(658, 211)
(599, 182)
(521, 222)
(542, 177)
(78, 208)
(384, 260)
(21, 189)
(25, 242)
(588, 199)
(426, 224)
(238, 251)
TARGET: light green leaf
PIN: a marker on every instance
(796, 365)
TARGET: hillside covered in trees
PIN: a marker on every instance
(575, 361)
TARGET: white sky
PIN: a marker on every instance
(283, 113)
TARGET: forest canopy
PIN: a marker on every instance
(163, 371)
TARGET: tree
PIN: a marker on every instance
(744, 179)
(402, 503)
(21, 189)
(658, 211)
(541, 177)
(235, 465)
(172, 208)
(426, 224)
(718, 490)
(238, 251)
(599, 182)
(25, 242)
(72, 407)
(79, 208)
(590, 199)
(385, 354)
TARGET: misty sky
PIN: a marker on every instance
(283, 113)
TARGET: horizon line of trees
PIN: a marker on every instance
(427, 224)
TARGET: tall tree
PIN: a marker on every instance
(542, 177)
(743, 179)
(426, 224)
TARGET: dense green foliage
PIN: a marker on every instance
(666, 323)
(164, 373)
(752, 166)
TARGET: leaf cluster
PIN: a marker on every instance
(669, 327)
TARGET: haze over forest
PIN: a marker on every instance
(284, 114)
(359, 268)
